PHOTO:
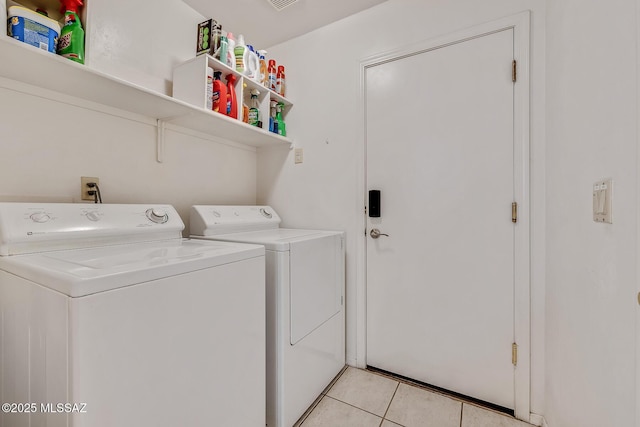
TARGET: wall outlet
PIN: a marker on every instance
(298, 155)
(84, 188)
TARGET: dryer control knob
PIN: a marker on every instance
(159, 216)
(93, 216)
(40, 217)
(265, 213)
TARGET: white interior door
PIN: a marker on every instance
(440, 148)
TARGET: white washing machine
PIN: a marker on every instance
(305, 302)
(110, 318)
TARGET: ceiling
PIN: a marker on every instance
(263, 26)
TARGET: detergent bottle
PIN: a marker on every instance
(240, 51)
(252, 63)
(71, 41)
(219, 94)
(232, 106)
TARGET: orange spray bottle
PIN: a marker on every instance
(263, 78)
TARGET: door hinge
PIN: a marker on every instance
(514, 354)
(514, 212)
(514, 71)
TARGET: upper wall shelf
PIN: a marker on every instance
(36, 67)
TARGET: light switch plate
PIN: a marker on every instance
(602, 198)
(298, 155)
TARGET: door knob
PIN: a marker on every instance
(375, 233)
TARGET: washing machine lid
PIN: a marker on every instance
(82, 272)
(280, 239)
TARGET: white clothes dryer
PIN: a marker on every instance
(110, 318)
(305, 302)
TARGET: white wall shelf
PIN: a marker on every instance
(189, 85)
(27, 64)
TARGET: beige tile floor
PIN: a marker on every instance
(360, 398)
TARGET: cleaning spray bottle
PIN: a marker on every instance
(282, 129)
(263, 76)
(272, 75)
(232, 106)
(280, 81)
(209, 88)
(71, 41)
(273, 125)
(254, 111)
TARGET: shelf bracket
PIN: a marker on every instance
(160, 141)
(160, 124)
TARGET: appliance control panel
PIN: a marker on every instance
(215, 220)
(50, 226)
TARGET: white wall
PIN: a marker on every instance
(47, 144)
(45, 152)
(141, 41)
(323, 82)
(591, 268)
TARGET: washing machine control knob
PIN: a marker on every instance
(40, 217)
(159, 216)
(265, 213)
(93, 216)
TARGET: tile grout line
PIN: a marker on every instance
(384, 417)
(461, 412)
(444, 393)
(323, 394)
(353, 406)
(308, 412)
(335, 380)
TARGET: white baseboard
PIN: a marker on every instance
(352, 362)
(538, 420)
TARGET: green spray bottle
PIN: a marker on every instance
(282, 129)
(254, 111)
(71, 41)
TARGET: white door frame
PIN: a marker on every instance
(637, 334)
(520, 23)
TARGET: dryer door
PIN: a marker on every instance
(316, 283)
